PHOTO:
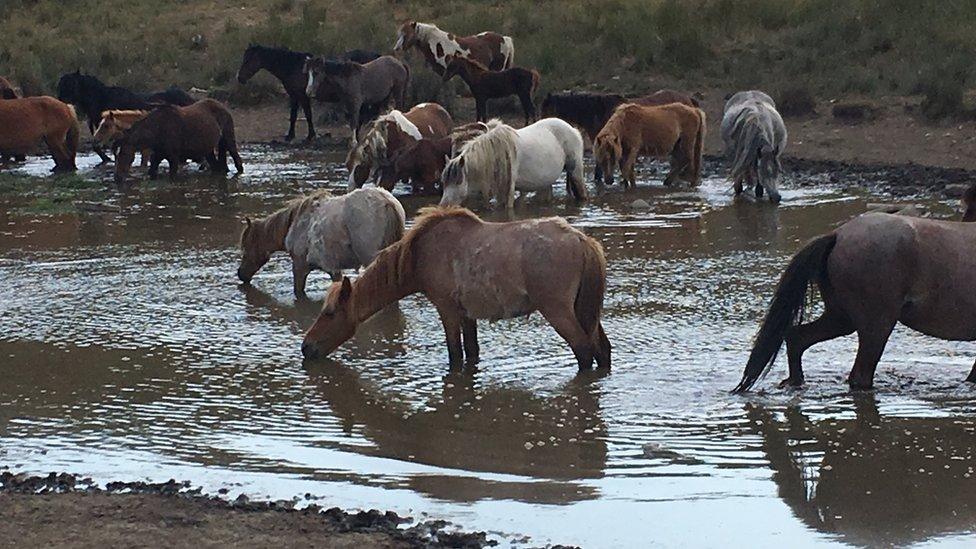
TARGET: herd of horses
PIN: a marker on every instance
(872, 272)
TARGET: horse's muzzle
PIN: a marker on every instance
(309, 350)
(245, 278)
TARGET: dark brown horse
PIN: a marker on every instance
(419, 164)
(491, 49)
(203, 131)
(873, 272)
(486, 84)
(377, 83)
(7, 89)
(26, 123)
(969, 203)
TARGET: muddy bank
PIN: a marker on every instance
(37, 511)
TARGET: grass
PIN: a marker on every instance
(834, 47)
(27, 195)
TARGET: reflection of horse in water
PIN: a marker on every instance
(473, 427)
(875, 480)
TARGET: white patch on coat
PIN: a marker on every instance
(405, 125)
(310, 87)
(432, 36)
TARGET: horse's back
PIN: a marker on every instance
(545, 149)
(741, 97)
(431, 119)
(374, 219)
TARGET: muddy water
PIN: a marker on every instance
(128, 351)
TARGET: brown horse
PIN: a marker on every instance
(486, 84)
(7, 89)
(969, 203)
(203, 131)
(674, 130)
(25, 123)
(420, 165)
(113, 125)
(389, 134)
(873, 272)
(491, 49)
(470, 270)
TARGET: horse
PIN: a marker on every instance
(7, 90)
(872, 272)
(673, 130)
(390, 133)
(203, 131)
(92, 98)
(755, 137)
(491, 49)
(590, 111)
(289, 68)
(419, 164)
(969, 203)
(325, 232)
(503, 160)
(378, 82)
(486, 84)
(473, 270)
(113, 125)
(26, 122)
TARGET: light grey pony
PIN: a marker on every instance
(754, 136)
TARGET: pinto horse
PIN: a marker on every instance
(92, 97)
(388, 135)
(376, 84)
(491, 49)
(471, 270)
(486, 84)
(872, 272)
(323, 232)
(672, 131)
(289, 68)
(26, 122)
(755, 137)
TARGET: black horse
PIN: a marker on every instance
(92, 98)
(289, 67)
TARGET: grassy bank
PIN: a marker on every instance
(837, 47)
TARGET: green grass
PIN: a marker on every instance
(835, 47)
(26, 195)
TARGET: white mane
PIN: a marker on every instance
(490, 165)
(403, 123)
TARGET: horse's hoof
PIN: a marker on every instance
(791, 383)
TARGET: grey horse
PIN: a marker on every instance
(754, 136)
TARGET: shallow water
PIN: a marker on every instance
(128, 351)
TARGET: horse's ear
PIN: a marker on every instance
(345, 290)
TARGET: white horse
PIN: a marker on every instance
(755, 137)
(320, 231)
(504, 160)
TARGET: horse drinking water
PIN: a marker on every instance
(471, 270)
(755, 137)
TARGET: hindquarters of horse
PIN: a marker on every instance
(26, 123)
(173, 96)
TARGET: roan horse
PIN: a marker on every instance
(874, 271)
(486, 84)
(471, 270)
(673, 130)
(25, 123)
(755, 136)
(323, 232)
(390, 133)
(377, 83)
(504, 160)
(203, 131)
(289, 68)
(491, 49)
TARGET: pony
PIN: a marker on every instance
(325, 232)
(7, 90)
(473, 270)
(376, 83)
(755, 137)
(390, 133)
(203, 131)
(872, 272)
(486, 84)
(491, 49)
(113, 125)
(26, 122)
(92, 98)
(289, 68)
(503, 160)
(420, 165)
(673, 130)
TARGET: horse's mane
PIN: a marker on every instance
(427, 218)
(490, 159)
(403, 123)
(276, 224)
(425, 30)
(280, 55)
(749, 137)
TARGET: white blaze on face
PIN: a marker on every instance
(310, 87)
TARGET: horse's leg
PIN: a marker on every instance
(831, 324)
(469, 329)
(602, 348)
(527, 106)
(451, 319)
(299, 272)
(871, 341)
(564, 321)
(481, 108)
(354, 121)
(154, 161)
(630, 168)
(293, 105)
(972, 374)
(174, 166)
(307, 108)
(737, 184)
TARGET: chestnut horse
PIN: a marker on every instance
(491, 49)
(390, 133)
(203, 131)
(26, 122)
(674, 130)
(114, 123)
(472, 270)
(419, 164)
(874, 271)
(323, 232)
(486, 84)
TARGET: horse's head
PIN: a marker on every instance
(969, 203)
(607, 153)
(454, 183)
(255, 251)
(453, 67)
(359, 162)
(406, 36)
(336, 323)
(250, 63)
(769, 169)
(69, 87)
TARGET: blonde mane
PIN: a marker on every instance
(273, 228)
(490, 163)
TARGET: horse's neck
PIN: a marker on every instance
(276, 228)
(282, 67)
(380, 285)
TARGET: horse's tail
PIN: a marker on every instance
(73, 135)
(748, 140)
(699, 146)
(574, 167)
(786, 309)
(508, 50)
(593, 283)
(402, 99)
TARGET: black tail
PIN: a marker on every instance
(786, 309)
